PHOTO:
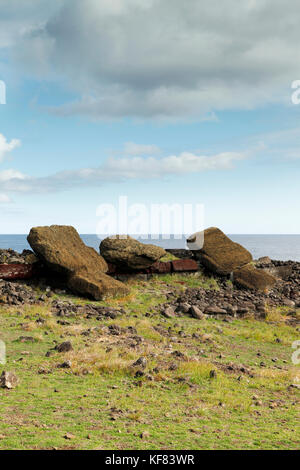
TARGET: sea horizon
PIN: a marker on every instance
(277, 246)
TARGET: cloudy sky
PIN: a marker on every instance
(163, 101)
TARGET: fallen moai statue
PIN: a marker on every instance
(63, 251)
(222, 256)
(126, 252)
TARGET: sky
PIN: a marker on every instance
(162, 101)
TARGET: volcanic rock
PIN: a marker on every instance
(130, 253)
(220, 254)
(253, 278)
(63, 251)
(8, 380)
(196, 312)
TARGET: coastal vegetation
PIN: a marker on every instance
(215, 383)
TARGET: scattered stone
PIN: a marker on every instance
(288, 303)
(8, 380)
(264, 261)
(183, 307)
(27, 339)
(139, 374)
(213, 374)
(65, 365)
(141, 362)
(179, 355)
(69, 436)
(64, 347)
(196, 312)
(9, 257)
(214, 310)
(169, 312)
(295, 386)
(15, 293)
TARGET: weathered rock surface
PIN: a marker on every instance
(181, 265)
(98, 286)
(221, 255)
(62, 250)
(252, 278)
(128, 252)
(8, 380)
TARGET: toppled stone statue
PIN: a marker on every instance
(62, 250)
(127, 252)
(220, 254)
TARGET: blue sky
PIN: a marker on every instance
(152, 101)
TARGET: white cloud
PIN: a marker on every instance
(166, 58)
(182, 164)
(119, 170)
(6, 147)
(4, 199)
(11, 174)
(130, 148)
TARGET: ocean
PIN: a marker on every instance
(279, 247)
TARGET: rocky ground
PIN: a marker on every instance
(13, 257)
(224, 300)
(87, 375)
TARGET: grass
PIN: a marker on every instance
(102, 403)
